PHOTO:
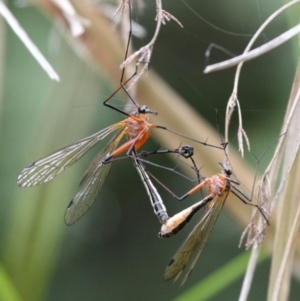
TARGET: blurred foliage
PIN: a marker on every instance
(113, 252)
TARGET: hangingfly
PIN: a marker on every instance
(135, 127)
(218, 188)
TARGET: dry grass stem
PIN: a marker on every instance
(259, 51)
(168, 17)
(266, 200)
(287, 253)
(241, 134)
(247, 55)
(249, 274)
(20, 32)
(143, 55)
(120, 8)
(77, 23)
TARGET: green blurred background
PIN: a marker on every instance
(113, 252)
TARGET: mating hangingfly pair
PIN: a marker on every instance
(136, 128)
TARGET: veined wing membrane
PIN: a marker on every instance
(197, 238)
(47, 168)
(91, 183)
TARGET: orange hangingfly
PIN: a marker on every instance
(135, 127)
(218, 188)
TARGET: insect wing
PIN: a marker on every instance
(197, 238)
(91, 183)
(45, 169)
(208, 228)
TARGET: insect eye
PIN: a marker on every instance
(228, 172)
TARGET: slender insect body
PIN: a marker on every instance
(156, 201)
(175, 223)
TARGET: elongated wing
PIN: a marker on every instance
(45, 169)
(196, 239)
(91, 183)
